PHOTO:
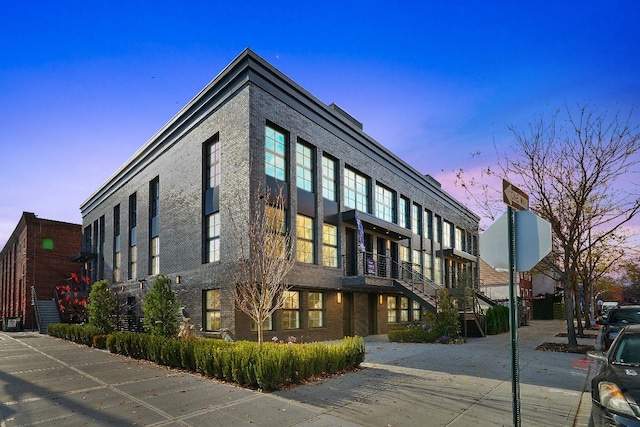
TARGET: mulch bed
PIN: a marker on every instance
(564, 347)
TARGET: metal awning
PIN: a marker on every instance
(457, 255)
(377, 225)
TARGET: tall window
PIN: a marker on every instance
(438, 228)
(416, 219)
(329, 245)
(405, 262)
(212, 248)
(416, 309)
(305, 243)
(392, 313)
(211, 222)
(291, 310)
(459, 242)
(403, 212)
(117, 255)
(154, 223)
(404, 309)
(276, 223)
(329, 179)
(356, 191)
(316, 310)
(417, 263)
(428, 224)
(212, 163)
(304, 167)
(437, 268)
(275, 154)
(101, 240)
(133, 239)
(446, 234)
(385, 203)
(428, 269)
(212, 310)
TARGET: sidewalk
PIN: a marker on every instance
(46, 380)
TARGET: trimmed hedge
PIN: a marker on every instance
(246, 363)
(414, 334)
(269, 367)
(77, 333)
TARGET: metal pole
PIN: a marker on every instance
(513, 318)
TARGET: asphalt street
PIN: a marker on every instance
(48, 381)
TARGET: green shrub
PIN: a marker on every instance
(497, 320)
(100, 341)
(413, 334)
(161, 309)
(101, 305)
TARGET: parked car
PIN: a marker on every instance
(618, 318)
(616, 387)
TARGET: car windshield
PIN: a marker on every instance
(628, 350)
(624, 316)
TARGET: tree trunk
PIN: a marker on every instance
(568, 309)
(576, 304)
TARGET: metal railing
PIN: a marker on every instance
(384, 266)
(34, 303)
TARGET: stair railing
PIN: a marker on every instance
(34, 303)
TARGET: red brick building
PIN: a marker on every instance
(38, 254)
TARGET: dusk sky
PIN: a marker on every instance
(83, 85)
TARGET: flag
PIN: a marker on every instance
(360, 233)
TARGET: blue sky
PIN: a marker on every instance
(84, 84)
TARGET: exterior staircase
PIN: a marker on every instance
(47, 313)
(420, 291)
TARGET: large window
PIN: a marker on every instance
(211, 304)
(291, 310)
(330, 245)
(405, 262)
(428, 224)
(304, 167)
(437, 268)
(305, 243)
(117, 256)
(446, 234)
(460, 240)
(154, 225)
(416, 219)
(275, 154)
(329, 179)
(403, 212)
(438, 228)
(385, 203)
(404, 309)
(417, 263)
(392, 307)
(356, 191)
(212, 249)
(212, 163)
(416, 310)
(133, 239)
(316, 310)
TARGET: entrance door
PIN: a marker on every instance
(347, 314)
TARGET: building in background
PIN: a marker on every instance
(167, 211)
(35, 259)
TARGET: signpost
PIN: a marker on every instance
(528, 239)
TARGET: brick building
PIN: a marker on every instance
(37, 255)
(167, 211)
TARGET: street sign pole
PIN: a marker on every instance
(513, 317)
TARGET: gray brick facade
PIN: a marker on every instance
(235, 107)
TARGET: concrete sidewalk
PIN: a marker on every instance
(46, 381)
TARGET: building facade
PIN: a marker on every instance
(368, 229)
(35, 259)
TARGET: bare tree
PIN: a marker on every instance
(264, 256)
(580, 180)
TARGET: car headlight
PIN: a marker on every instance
(611, 398)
